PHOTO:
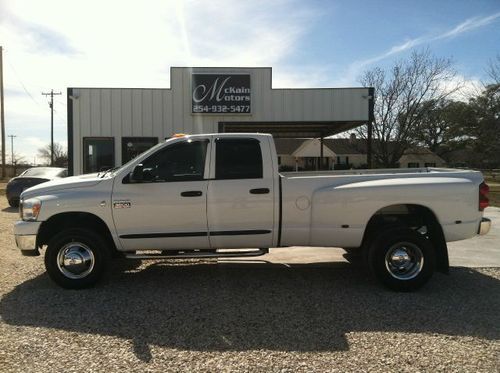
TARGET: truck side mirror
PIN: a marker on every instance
(137, 175)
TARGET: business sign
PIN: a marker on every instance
(221, 93)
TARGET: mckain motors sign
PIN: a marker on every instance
(221, 93)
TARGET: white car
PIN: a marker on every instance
(193, 195)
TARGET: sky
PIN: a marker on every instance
(55, 44)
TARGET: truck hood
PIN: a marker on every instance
(72, 182)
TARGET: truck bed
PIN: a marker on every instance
(335, 206)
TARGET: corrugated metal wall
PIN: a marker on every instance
(120, 112)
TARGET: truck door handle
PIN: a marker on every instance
(192, 193)
(259, 191)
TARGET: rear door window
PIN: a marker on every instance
(238, 159)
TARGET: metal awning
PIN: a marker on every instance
(301, 130)
(291, 129)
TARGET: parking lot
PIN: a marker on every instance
(291, 312)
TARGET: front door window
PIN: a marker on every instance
(183, 161)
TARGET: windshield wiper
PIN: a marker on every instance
(104, 173)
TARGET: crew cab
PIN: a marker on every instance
(193, 195)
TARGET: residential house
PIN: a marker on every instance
(341, 154)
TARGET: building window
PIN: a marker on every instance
(343, 159)
(184, 161)
(279, 161)
(133, 146)
(98, 154)
(238, 159)
(413, 165)
(430, 164)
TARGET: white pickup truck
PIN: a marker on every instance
(192, 196)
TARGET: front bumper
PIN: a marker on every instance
(484, 226)
(25, 233)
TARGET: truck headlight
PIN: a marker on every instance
(30, 209)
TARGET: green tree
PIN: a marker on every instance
(485, 126)
(444, 126)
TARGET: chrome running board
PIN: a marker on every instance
(195, 254)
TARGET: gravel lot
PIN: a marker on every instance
(157, 316)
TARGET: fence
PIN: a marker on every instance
(14, 170)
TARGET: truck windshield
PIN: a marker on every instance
(150, 150)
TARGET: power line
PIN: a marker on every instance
(59, 120)
(51, 105)
(61, 102)
(26, 90)
(22, 84)
(63, 121)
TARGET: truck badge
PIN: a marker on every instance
(122, 204)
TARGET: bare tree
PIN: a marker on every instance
(493, 70)
(402, 97)
(18, 159)
(60, 155)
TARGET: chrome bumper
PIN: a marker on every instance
(26, 243)
(484, 227)
(25, 233)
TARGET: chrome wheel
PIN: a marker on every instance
(404, 260)
(75, 260)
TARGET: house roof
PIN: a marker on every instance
(346, 146)
(422, 154)
(287, 146)
(312, 148)
(337, 146)
(418, 150)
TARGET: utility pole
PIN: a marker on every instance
(51, 105)
(2, 117)
(12, 148)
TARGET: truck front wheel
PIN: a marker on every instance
(76, 258)
(402, 259)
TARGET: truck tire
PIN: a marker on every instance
(402, 259)
(355, 256)
(76, 258)
(14, 202)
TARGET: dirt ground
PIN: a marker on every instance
(158, 316)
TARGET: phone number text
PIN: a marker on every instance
(221, 108)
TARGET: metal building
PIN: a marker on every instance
(109, 126)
